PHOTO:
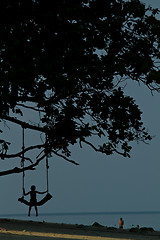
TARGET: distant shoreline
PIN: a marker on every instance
(107, 219)
(84, 213)
(30, 229)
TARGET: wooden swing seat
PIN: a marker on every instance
(40, 203)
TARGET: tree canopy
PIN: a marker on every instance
(66, 61)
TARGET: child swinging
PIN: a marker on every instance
(33, 198)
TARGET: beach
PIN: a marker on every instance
(28, 230)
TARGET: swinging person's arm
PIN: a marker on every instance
(25, 192)
(41, 192)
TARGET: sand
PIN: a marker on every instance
(28, 230)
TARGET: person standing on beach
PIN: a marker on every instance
(121, 223)
(33, 198)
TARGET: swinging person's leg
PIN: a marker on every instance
(29, 211)
(36, 210)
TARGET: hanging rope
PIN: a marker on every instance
(47, 166)
(22, 161)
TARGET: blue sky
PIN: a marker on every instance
(100, 183)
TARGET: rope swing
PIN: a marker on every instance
(48, 195)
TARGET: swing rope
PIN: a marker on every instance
(22, 161)
(47, 167)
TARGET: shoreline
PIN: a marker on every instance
(43, 230)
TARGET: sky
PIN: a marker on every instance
(100, 183)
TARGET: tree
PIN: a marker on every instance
(66, 62)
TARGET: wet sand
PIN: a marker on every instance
(28, 230)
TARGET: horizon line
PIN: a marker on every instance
(83, 213)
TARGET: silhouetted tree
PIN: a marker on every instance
(66, 60)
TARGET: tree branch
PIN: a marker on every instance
(98, 150)
(68, 160)
(90, 144)
(19, 170)
(3, 156)
(23, 124)
(29, 107)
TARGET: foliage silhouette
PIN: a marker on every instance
(66, 61)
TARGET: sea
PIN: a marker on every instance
(109, 219)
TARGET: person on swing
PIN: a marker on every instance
(33, 198)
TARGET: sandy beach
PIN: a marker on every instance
(28, 230)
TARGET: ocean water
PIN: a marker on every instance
(109, 219)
